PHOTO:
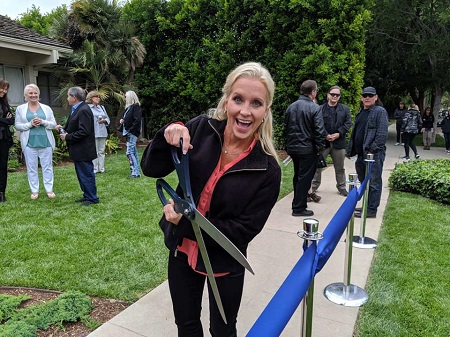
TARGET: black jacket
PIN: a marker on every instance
(303, 129)
(243, 197)
(80, 136)
(132, 120)
(445, 124)
(5, 133)
(342, 123)
(427, 121)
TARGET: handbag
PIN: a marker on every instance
(321, 163)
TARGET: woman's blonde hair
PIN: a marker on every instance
(91, 94)
(28, 87)
(252, 70)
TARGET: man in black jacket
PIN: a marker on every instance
(305, 138)
(79, 135)
(337, 121)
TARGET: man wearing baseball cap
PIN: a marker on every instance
(369, 136)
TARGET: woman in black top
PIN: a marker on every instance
(6, 140)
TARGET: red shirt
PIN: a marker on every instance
(190, 247)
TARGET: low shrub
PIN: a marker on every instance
(429, 178)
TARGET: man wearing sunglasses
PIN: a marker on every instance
(369, 135)
(337, 121)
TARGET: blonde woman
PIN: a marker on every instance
(35, 122)
(101, 120)
(235, 179)
(130, 126)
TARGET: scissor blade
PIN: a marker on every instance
(209, 271)
(222, 240)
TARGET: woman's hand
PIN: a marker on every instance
(170, 214)
(174, 132)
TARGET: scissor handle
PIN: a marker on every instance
(182, 168)
(180, 205)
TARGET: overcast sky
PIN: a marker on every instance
(16, 7)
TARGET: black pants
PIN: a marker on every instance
(186, 289)
(304, 169)
(4, 152)
(398, 127)
(408, 139)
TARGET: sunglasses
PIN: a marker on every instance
(368, 95)
(334, 95)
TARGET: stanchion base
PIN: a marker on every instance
(348, 296)
(364, 242)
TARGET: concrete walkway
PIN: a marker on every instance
(272, 254)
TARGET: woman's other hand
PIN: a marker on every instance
(170, 214)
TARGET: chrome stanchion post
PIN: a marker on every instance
(362, 241)
(310, 233)
(345, 293)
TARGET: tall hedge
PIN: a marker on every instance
(193, 44)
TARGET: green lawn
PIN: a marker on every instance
(114, 249)
(409, 280)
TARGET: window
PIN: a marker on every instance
(15, 77)
(49, 89)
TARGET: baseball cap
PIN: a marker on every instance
(369, 90)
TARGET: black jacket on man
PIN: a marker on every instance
(304, 131)
(340, 123)
(80, 136)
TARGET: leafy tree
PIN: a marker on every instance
(38, 22)
(409, 48)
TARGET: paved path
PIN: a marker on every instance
(272, 255)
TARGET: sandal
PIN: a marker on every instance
(34, 196)
(51, 195)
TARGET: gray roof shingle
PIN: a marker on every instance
(12, 29)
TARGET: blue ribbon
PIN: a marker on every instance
(286, 300)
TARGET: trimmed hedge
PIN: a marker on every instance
(429, 178)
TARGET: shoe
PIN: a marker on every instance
(51, 195)
(406, 158)
(343, 192)
(397, 144)
(368, 215)
(314, 197)
(305, 212)
(80, 200)
(2, 197)
(133, 176)
(417, 156)
(89, 202)
(34, 196)
(358, 209)
(402, 144)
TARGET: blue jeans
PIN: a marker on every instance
(132, 154)
(86, 178)
(376, 183)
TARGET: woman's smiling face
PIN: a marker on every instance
(246, 107)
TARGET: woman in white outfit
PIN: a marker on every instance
(35, 122)
(101, 120)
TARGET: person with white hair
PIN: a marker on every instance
(35, 122)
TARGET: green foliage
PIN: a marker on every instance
(8, 305)
(112, 144)
(68, 307)
(428, 178)
(195, 44)
(38, 22)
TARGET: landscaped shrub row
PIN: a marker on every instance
(429, 178)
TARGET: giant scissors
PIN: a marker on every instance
(187, 208)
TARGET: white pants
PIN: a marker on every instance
(99, 162)
(32, 157)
